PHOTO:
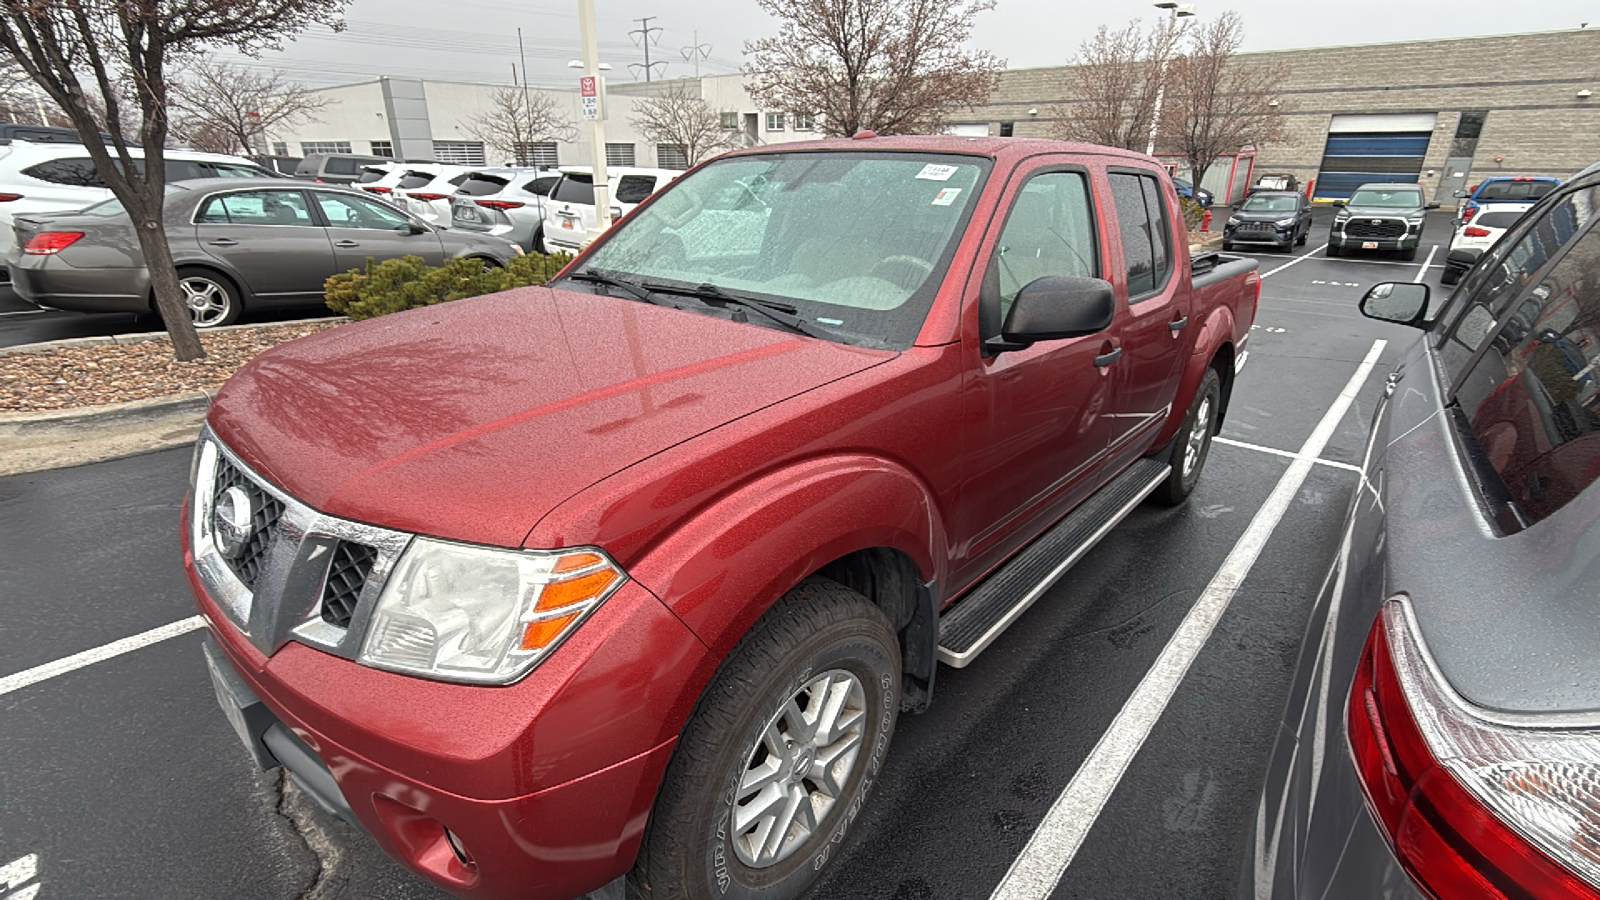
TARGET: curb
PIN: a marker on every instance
(145, 336)
(57, 439)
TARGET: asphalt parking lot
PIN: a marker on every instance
(122, 779)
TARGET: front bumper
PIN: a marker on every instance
(1408, 241)
(1279, 237)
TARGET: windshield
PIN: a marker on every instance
(1259, 203)
(854, 242)
(1514, 191)
(1399, 198)
(113, 207)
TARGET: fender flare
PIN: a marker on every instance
(1216, 333)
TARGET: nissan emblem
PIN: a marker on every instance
(231, 521)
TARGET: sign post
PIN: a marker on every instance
(589, 94)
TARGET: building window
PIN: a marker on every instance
(774, 121)
(804, 122)
(542, 154)
(280, 148)
(730, 121)
(309, 147)
(1007, 129)
(459, 153)
(619, 154)
(672, 156)
(1468, 130)
(384, 149)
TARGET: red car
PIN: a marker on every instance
(630, 575)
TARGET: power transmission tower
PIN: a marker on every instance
(696, 53)
(647, 36)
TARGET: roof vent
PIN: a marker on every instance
(863, 135)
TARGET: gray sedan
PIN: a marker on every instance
(1442, 737)
(238, 243)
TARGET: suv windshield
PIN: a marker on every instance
(1258, 203)
(1514, 190)
(855, 242)
(1399, 198)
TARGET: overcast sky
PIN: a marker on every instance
(476, 40)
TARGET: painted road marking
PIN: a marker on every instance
(102, 653)
(1285, 453)
(1338, 283)
(1038, 869)
(1298, 259)
(1422, 272)
(15, 875)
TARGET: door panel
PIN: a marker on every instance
(1037, 434)
(271, 239)
(363, 229)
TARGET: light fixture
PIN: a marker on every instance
(1585, 94)
(1033, 110)
(578, 64)
(1272, 103)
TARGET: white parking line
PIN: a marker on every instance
(1422, 272)
(98, 654)
(15, 875)
(1038, 869)
(1285, 453)
(1301, 258)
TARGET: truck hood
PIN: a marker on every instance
(472, 419)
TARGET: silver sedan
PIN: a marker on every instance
(239, 244)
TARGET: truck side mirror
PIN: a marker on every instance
(1432, 206)
(1397, 301)
(1339, 203)
(1054, 308)
(1460, 194)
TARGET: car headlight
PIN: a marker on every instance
(457, 612)
(1235, 220)
(1285, 223)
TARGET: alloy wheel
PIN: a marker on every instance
(208, 301)
(1197, 437)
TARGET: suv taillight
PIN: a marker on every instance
(1472, 807)
(1475, 231)
(7, 198)
(49, 243)
(499, 204)
(1467, 211)
(422, 195)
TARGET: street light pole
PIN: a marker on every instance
(1177, 11)
(597, 129)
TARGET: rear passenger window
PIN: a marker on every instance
(256, 208)
(1533, 398)
(342, 165)
(1049, 231)
(412, 180)
(1143, 224)
(73, 171)
(635, 188)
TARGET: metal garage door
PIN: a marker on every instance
(1364, 149)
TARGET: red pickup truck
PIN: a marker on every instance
(622, 581)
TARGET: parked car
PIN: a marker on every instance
(278, 165)
(1440, 738)
(1275, 182)
(239, 244)
(41, 134)
(668, 540)
(1382, 216)
(55, 176)
(508, 203)
(425, 191)
(333, 168)
(1518, 190)
(1185, 189)
(1471, 239)
(1279, 218)
(569, 214)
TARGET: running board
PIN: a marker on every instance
(974, 622)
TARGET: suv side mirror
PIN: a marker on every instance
(1397, 301)
(1054, 308)
(1460, 195)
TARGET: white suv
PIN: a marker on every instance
(569, 211)
(39, 178)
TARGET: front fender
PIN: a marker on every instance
(723, 568)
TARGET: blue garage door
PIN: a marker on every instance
(1363, 157)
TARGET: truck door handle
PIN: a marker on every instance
(1106, 359)
(223, 242)
(1176, 325)
(346, 243)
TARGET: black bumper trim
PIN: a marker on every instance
(308, 771)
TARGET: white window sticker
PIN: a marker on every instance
(932, 172)
(946, 196)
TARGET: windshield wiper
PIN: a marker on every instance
(632, 288)
(781, 313)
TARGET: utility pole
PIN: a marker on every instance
(527, 107)
(696, 53)
(597, 129)
(644, 31)
(1177, 11)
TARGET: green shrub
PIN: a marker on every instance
(409, 282)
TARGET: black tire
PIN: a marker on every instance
(1301, 240)
(537, 244)
(693, 849)
(1449, 275)
(1332, 250)
(1227, 247)
(1186, 473)
(1408, 255)
(224, 306)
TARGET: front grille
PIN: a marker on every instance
(265, 511)
(1374, 228)
(347, 575)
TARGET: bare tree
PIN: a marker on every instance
(890, 67)
(1217, 103)
(1113, 83)
(517, 119)
(231, 109)
(128, 45)
(681, 117)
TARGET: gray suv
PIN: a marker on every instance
(1442, 735)
(1380, 217)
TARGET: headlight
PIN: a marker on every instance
(1235, 220)
(478, 614)
(1285, 223)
